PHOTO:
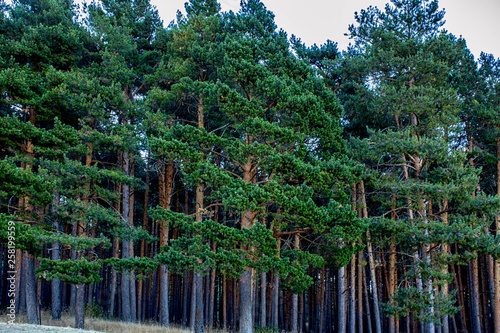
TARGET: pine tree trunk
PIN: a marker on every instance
(445, 287)
(352, 276)
(476, 314)
(165, 186)
(392, 284)
(198, 290)
(211, 303)
(143, 246)
(55, 285)
(352, 294)
(367, 305)
(341, 317)
(80, 306)
(30, 287)
(263, 299)
(125, 279)
(185, 294)
(496, 305)
(275, 294)
(371, 263)
(133, 291)
(361, 273)
(18, 274)
(295, 297)
(245, 308)
(114, 280)
(192, 314)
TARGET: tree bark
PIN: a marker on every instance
(245, 308)
(295, 297)
(445, 287)
(263, 299)
(341, 317)
(496, 305)
(55, 285)
(371, 263)
(476, 314)
(199, 326)
(143, 245)
(80, 306)
(125, 283)
(165, 186)
(30, 286)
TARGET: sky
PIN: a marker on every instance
(315, 21)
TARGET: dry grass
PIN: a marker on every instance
(103, 325)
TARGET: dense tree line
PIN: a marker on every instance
(218, 173)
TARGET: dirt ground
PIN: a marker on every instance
(4, 327)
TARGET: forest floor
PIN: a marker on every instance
(93, 325)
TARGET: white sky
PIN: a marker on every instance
(315, 21)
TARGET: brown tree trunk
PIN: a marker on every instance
(165, 185)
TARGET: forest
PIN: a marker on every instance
(216, 173)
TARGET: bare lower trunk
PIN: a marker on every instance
(476, 314)
(295, 297)
(125, 281)
(392, 284)
(18, 274)
(30, 287)
(445, 288)
(263, 287)
(496, 305)
(211, 303)
(192, 315)
(342, 322)
(199, 310)
(352, 295)
(360, 291)
(80, 306)
(55, 284)
(371, 263)
(245, 308)
(114, 280)
(163, 311)
(185, 293)
(165, 185)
